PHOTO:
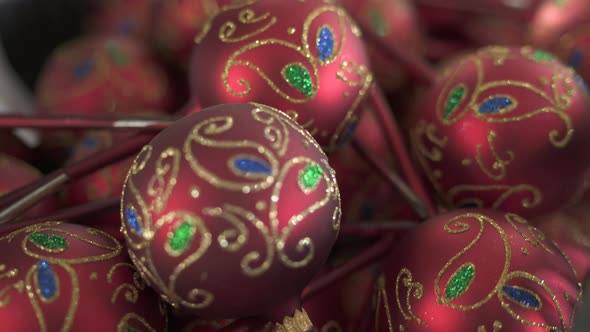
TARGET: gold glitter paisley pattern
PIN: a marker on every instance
(53, 283)
(252, 167)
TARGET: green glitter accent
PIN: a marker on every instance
(541, 55)
(310, 177)
(49, 241)
(132, 329)
(378, 22)
(117, 55)
(460, 281)
(182, 237)
(454, 100)
(299, 78)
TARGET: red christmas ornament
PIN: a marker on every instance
(130, 18)
(497, 129)
(396, 22)
(97, 75)
(106, 183)
(304, 57)
(554, 18)
(15, 173)
(63, 277)
(477, 270)
(178, 22)
(230, 212)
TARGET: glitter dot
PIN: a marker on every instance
(299, 78)
(83, 69)
(89, 142)
(541, 55)
(49, 241)
(309, 178)
(325, 43)
(46, 280)
(182, 237)
(460, 281)
(132, 220)
(117, 55)
(247, 165)
(455, 98)
(495, 104)
(522, 296)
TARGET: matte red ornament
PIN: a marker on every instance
(65, 277)
(98, 75)
(304, 57)
(129, 18)
(505, 128)
(396, 22)
(476, 270)
(15, 173)
(230, 212)
(177, 22)
(554, 18)
(106, 183)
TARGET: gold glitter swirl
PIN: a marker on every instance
(33, 294)
(166, 169)
(278, 136)
(305, 244)
(201, 134)
(533, 199)
(499, 165)
(234, 214)
(495, 328)
(125, 324)
(413, 289)
(462, 221)
(535, 236)
(132, 290)
(246, 86)
(245, 16)
(329, 326)
(353, 74)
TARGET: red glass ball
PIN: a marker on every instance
(505, 128)
(304, 57)
(177, 22)
(231, 211)
(129, 18)
(98, 75)
(573, 48)
(65, 277)
(15, 173)
(477, 270)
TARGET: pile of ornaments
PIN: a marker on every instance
(272, 201)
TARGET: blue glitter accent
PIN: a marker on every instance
(325, 43)
(83, 69)
(131, 217)
(125, 25)
(252, 166)
(575, 59)
(582, 84)
(348, 133)
(521, 296)
(89, 142)
(494, 105)
(46, 280)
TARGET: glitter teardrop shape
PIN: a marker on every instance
(460, 281)
(117, 55)
(541, 55)
(310, 176)
(325, 43)
(252, 166)
(182, 237)
(575, 59)
(49, 242)
(522, 296)
(495, 105)
(455, 98)
(83, 69)
(299, 78)
(46, 281)
(133, 220)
